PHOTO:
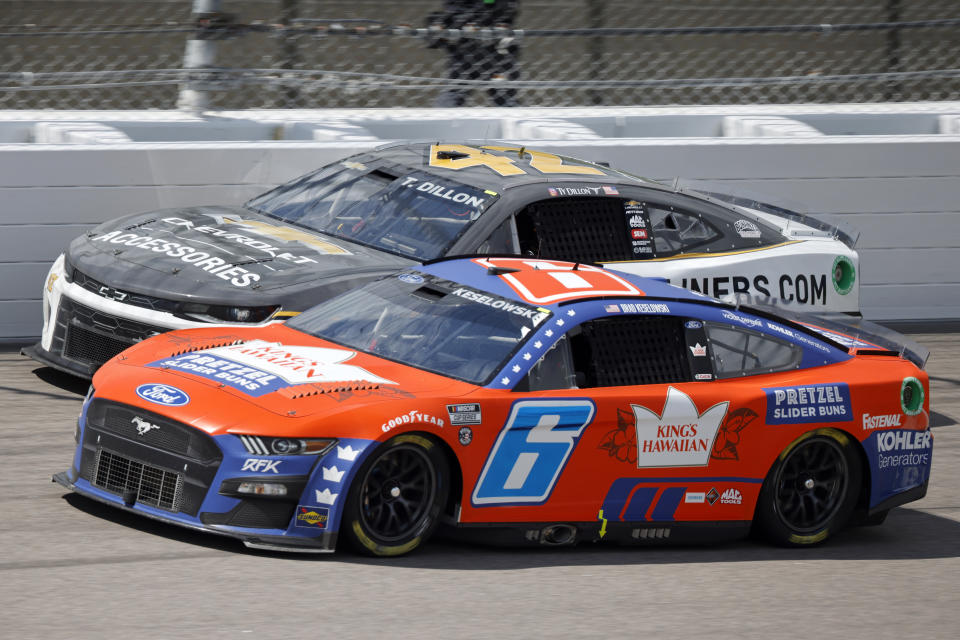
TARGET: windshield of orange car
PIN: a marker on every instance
(426, 322)
(411, 213)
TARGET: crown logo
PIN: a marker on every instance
(332, 474)
(347, 453)
(325, 497)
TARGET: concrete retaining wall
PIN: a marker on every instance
(890, 174)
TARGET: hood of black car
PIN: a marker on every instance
(212, 254)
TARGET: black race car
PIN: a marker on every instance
(403, 204)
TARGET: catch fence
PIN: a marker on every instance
(239, 54)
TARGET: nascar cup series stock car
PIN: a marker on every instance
(405, 204)
(511, 400)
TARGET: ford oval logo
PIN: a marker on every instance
(163, 394)
(410, 278)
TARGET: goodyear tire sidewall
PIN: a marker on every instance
(768, 521)
(368, 542)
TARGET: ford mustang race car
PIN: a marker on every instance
(515, 401)
(401, 205)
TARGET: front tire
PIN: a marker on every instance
(811, 490)
(395, 502)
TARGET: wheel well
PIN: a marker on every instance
(456, 474)
(863, 500)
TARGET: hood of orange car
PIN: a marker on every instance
(235, 381)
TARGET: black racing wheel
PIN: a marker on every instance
(394, 503)
(811, 490)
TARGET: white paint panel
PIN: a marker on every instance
(570, 280)
(799, 271)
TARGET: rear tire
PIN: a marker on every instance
(811, 491)
(395, 501)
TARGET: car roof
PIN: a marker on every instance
(549, 283)
(505, 158)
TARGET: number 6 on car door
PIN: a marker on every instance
(532, 450)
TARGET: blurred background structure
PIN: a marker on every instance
(266, 54)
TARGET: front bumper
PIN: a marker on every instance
(326, 543)
(178, 474)
(82, 330)
(83, 337)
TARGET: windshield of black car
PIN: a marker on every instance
(417, 215)
(426, 322)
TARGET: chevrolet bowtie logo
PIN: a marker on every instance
(143, 426)
(113, 294)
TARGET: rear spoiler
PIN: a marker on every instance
(856, 335)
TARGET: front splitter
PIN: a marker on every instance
(325, 543)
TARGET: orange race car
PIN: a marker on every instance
(517, 401)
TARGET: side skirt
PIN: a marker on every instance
(530, 534)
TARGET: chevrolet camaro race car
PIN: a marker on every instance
(513, 401)
(400, 205)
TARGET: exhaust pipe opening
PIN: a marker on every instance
(558, 534)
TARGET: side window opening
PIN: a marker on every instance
(741, 352)
(675, 231)
(503, 239)
(554, 370)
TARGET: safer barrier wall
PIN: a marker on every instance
(899, 190)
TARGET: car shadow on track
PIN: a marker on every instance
(907, 534)
(153, 527)
(61, 380)
(941, 420)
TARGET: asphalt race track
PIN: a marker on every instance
(72, 568)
